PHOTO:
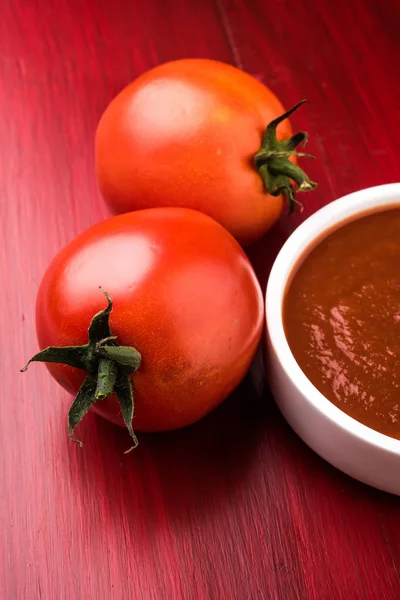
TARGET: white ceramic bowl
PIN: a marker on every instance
(359, 451)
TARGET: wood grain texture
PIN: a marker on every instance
(235, 507)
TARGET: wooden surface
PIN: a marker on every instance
(236, 507)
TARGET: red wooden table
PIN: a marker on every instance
(235, 507)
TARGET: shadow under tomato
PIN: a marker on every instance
(263, 253)
(199, 466)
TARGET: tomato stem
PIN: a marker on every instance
(109, 368)
(273, 164)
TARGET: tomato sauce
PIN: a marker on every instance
(342, 319)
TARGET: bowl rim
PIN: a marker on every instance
(325, 220)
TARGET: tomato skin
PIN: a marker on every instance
(184, 295)
(185, 134)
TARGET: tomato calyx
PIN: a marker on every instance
(109, 367)
(273, 164)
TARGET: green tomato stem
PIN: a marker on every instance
(109, 369)
(275, 168)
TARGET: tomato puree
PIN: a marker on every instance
(342, 319)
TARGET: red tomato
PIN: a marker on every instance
(184, 295)
(186, 134)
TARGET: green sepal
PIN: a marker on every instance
(123, 355)
(124, 391)
(74, 356)
(99, 328)
(85, 398)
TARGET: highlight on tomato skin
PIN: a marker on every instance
(205, 135)
(173, 330)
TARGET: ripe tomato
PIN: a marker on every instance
(184, 296)
(186, 134)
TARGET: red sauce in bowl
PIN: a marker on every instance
(342, 319)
